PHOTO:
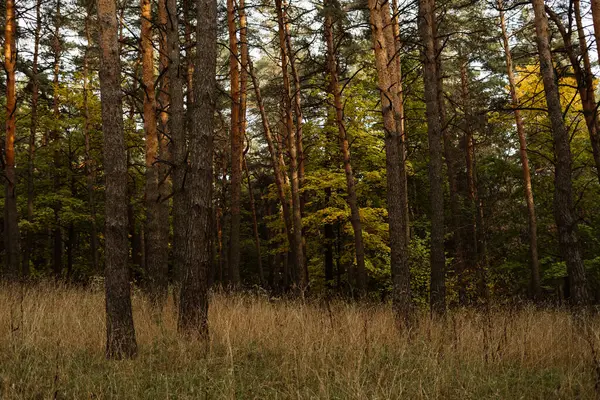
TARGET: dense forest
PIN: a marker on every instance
(431, 154)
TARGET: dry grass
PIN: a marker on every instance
(262, 349)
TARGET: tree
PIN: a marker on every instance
(436, 197)
(156, 274)
(531, 218)
(292, 146)
(193, 305)
(402, 299)
(566, 223)
(237, 143)
(120, 332)
(11, 227)
(361, 278)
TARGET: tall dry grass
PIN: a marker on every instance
(52, 342)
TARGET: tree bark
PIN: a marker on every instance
(536, 288)
(193, 306)
(35, 87)
(156, 285)
(261, 275)
(584, 78)
(334, 90)
(164, 177)
(298, 251)
(564, 214)
(427, 20)
(89, 162)
(120, 332)
(402, 299)
(57, 231)
(236, 148)
(178, 138)
(11, 227)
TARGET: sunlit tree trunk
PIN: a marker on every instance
(164, 176)
(334, 90)
(402, 299)
(236, 147)
(531, 218)
(11, 227)
(120, 332)
(297, 248)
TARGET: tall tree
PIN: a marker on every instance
(334, 90)
(193, 305)
(120, 332)
(11, 227)
(178, 139)
(402, 298)
(564, 213)
(237, 144)
(427, 20)
(35, 88)
(292, 146)
(531, 218)
(156, 276)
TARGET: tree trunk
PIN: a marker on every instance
(156, 285)
(57, 232)
(536, 289)
(361, 276)
(298, 251)
(120, 332)
(89, 162)
(427, 20)
(236, 148)
(178, 138)
(164, 179)
(566, 222)
(278, 167)
(35, 87)
(402, 299)
(193, 306)
(11, 227)
(261, 275)
(584, 78)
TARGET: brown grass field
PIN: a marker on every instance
(52, 347)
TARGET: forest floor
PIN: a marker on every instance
(261, 349)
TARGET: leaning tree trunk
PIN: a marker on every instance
(120, 332)
(193, 305)
(11, 227)
(434, 129)
(531, 218)
(334, 89)
(564, 213)
(402, 299)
